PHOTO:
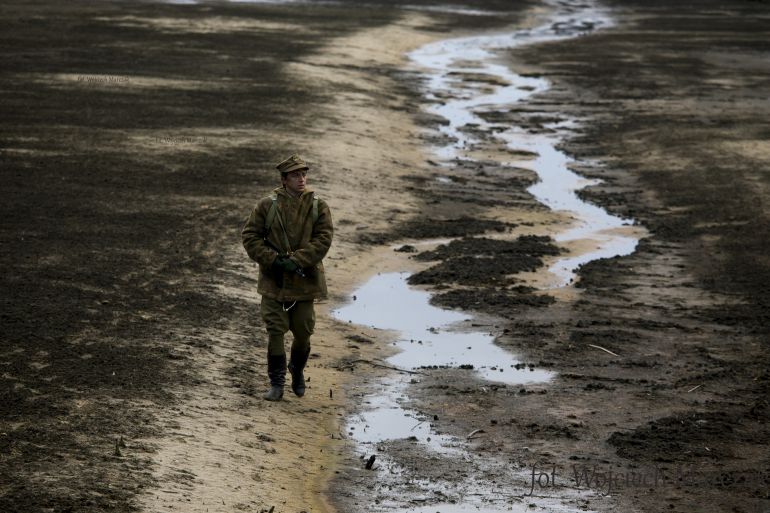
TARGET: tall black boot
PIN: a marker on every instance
(296, 366)
(276, 370)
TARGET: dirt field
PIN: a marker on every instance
(135, 137)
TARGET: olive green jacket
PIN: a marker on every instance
(309, 242)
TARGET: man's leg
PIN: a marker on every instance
(302, 324)
(277, 324)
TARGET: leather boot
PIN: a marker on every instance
(296, 366)
(276, 370)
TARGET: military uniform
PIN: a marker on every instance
(289, 245)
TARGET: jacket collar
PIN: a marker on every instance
(281, 191)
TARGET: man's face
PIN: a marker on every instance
(295, 181)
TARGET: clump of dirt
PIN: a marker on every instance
(497, 301)
(436, 228)
(534, 245)
(474, 261)
(485, 269)
(665, 439)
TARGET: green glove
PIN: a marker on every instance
(277, 265)
(288, 265)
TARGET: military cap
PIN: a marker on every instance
(293, 163)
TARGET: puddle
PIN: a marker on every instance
(450, 9)
(466, 508)
(384, 419)
(426, 337)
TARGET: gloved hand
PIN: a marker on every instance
(288, 265)
(277, 265)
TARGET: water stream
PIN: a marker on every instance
(463, 103)
(464, 80)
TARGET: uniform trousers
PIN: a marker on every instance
(280, 317)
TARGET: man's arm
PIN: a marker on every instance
(252, 236)
(320, 240)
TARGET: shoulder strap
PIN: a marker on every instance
(271, 213)
(315, 209)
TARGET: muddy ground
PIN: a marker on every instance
(133, 145)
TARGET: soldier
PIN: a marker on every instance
(288, 233)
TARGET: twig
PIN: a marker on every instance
(416, 425)
(383, 366)
(604, 349)
(474, 432)
(696, 387)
